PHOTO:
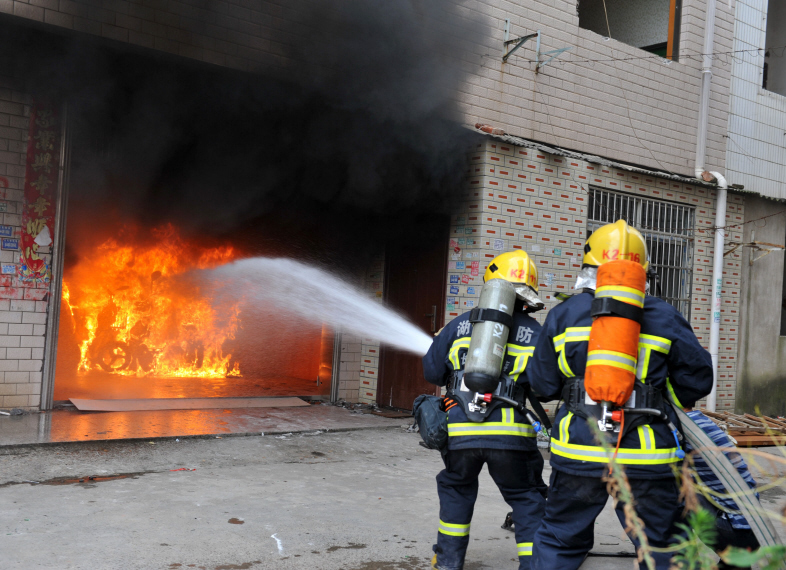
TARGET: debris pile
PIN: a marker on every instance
(750, 431)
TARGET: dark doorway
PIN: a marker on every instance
(415, 281)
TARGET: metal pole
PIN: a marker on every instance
(336, 367)
(58, 251)
(717, 284)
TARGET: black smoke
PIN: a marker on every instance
(350, 119)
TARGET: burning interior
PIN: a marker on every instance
(173, 166)
(132, 324)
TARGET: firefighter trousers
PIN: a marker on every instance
(519, 477)
(568, 529)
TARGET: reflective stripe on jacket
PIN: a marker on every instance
(505, 428)
(669, 357)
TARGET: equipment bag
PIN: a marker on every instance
(432, 421)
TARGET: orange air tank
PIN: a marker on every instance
(614, 339)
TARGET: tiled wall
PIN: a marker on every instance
(359, 367)
(756, 156)
(22, 309)
(520, 198)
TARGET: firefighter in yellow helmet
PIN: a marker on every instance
(504, 439)
(615, 241)
(670, 363)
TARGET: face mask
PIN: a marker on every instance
(530, 298)
(588, 276)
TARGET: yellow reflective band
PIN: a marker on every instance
(653, 342)
(612, 358)
(453, 529)
(490, 428)
(648, 343)
(577, 334)
(524, 548)
(453, 355)
(521, 358)
(571, 334)
(627, 295)
(564, 367)
(674, 397)
(507, 416)
(625, 456)
(646, 437)
(564, 427)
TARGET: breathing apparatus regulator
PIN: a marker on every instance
(619, 253)
(511, 283)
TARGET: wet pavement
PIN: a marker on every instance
(358, 500)
(351, 500)
(71, 426)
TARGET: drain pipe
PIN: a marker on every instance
(720, 205)
(717, 283)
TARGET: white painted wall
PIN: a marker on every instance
(756, 153)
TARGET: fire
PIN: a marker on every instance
(132, 316)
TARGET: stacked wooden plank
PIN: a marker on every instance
(749, 430)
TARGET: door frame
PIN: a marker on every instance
(58, 257)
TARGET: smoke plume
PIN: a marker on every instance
(352, 112)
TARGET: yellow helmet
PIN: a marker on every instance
(615, 241)
(513, 266)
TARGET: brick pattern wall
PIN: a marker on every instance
(369, 347)
(576, 105)
(520, 198)
(22, 309)
(359, 366)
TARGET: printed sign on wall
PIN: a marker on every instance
(10, 244)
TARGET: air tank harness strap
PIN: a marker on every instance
(479, 314)
(607, 306)
(646, 404)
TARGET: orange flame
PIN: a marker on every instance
(132, 316)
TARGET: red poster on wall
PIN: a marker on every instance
(41, 174)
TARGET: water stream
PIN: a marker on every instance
(318, 296)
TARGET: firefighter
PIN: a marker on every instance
(670, 360)
(505, 441)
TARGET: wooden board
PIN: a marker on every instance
(757, 440)
(146, 404)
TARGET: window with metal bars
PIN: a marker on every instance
(667, 228)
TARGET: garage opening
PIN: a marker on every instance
(134, 325)
(652, 25)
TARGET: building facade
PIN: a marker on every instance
(755, 158)
(606, 129)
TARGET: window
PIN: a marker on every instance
(652, 25)
(668, 230)
(774, 76)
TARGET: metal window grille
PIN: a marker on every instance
(667, 228)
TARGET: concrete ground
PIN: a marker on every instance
(356, 500)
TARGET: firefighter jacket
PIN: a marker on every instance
(670, 359)
(505, 428)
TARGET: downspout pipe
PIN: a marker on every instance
(717, 283)
(706, 82)
(720, 206)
